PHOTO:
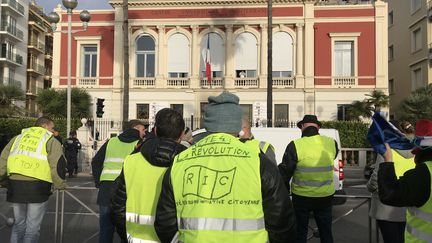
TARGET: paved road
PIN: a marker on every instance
(80, 225)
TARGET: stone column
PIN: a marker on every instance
(229, 57)
(161, 67)
(195, 57)
(263, 56)
(299, 75)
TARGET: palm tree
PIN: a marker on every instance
(357, 110)
(377, 100)
(418, 105)
(8, 95)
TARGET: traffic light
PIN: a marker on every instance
(99, 107)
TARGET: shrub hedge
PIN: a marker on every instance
(11, 127)
(352, 134)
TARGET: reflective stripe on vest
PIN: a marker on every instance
(419, 220)
(116, 152)
(263, 146)
(221, 224)
(28, 155)
(401, 163)
(313, 176)
(217, 191)
(143, 185)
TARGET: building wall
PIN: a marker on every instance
(312, 89)
(405, 59)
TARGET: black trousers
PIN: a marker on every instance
(392, 232)
(323, 219)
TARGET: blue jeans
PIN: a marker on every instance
(323, 219)
(106, 231)
(28, 219)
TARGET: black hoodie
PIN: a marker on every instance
(158, 152)
(106, 187)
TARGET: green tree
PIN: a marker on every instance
(53, 102)
(418, 105)
(358, 109)
(9, 94)
(377, 100)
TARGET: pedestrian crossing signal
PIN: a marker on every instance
(99, 108)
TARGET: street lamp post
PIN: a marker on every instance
(54, 18)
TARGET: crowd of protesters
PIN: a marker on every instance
(224, 186)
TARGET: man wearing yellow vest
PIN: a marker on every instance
(222, 190)
(34, 166)
(309, 162)
(139, 184)
(107, 165)
(247, 137)
(391, 221)
(413, 189)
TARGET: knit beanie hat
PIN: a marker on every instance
(223, 113)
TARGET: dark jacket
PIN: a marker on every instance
(71, 148)
(106, 187)
(412, 189)
(23, 189)
(278, 211)
(158, 152)
(289, 165)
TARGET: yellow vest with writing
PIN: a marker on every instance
(217, 190)
(28, 155)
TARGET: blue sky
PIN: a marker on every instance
(49, 5)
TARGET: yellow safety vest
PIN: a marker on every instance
(419, 220)
(28, 155)
(116, 152)
(263, 146)
(313, 176)
(401, 163)
(217, 190)
(143, 186)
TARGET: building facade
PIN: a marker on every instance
(326, 54)
(39, 60)
(13, 39)
(410, 48)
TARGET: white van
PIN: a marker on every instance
(280, 138)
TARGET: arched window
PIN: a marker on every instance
(282, 55)
(145, 56)
(178, 56)
(246, 55)
(217, 54)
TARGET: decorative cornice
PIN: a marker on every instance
(183, 3)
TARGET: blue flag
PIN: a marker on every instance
(381, 131)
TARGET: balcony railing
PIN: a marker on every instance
(38, 24)
(246, 82)
(178, 82)
(343, 2)
(87, 81)
(344, 81)
(37, 68)
(217, 82)
(38, 45)
(14, 31)
(15, 58)
(143, 82)
(283, 82)
(13, 4)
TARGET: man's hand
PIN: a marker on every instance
(388, 153)
(61, 186)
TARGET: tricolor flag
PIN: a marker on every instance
(208, 61)
(381, 131)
